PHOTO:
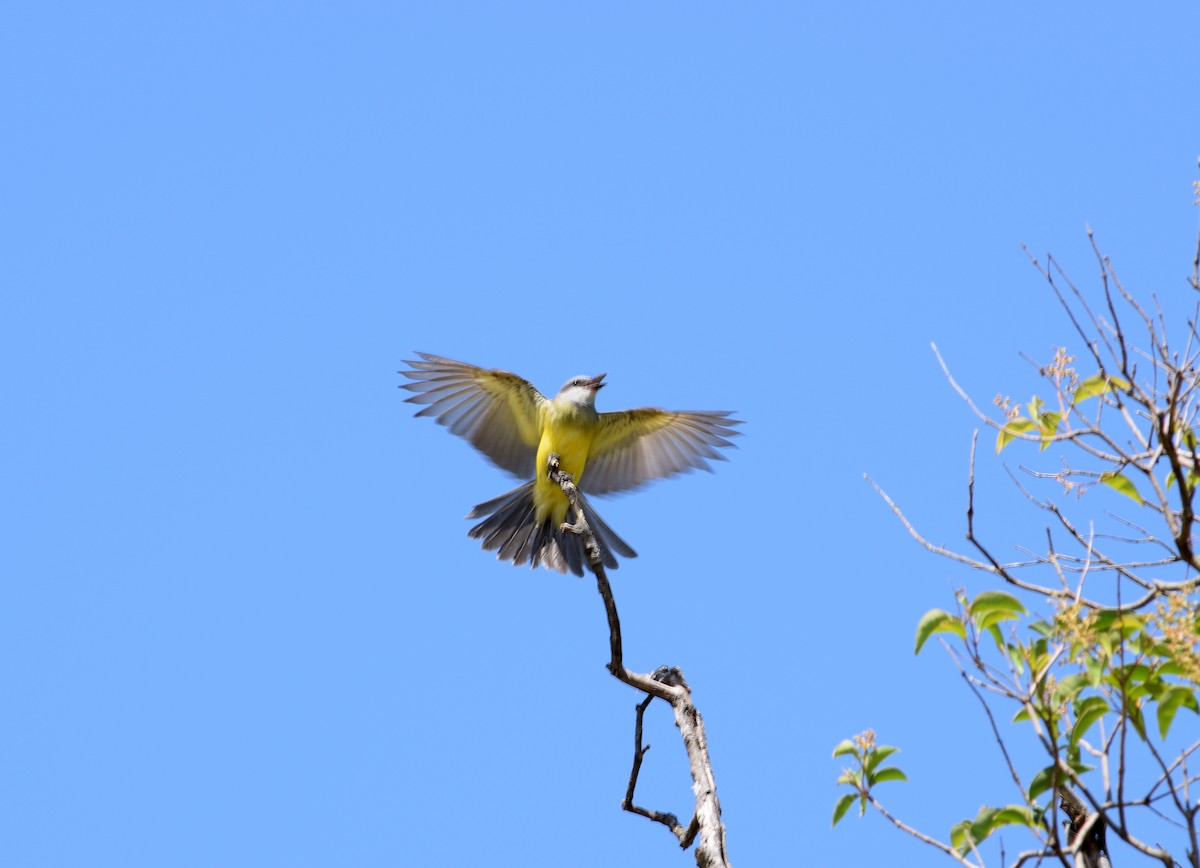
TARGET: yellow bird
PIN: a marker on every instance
(517, 427)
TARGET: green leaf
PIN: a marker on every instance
(1127, 623)
(1097, 384)
(1049, 422)
(938, 621)
(1069, 688)
(1050, 776)
(1105, 619)
(989, 621)
(996, 601)
(851, 778)
(890, 773)
(984, 824)
(879, 755)
(1087, 712)
(844, 747)
(1019, 425)
(989, 624)
(1122, 484)
(1015, 815)
(1129, 674)
(1144, 643)
(842, 806)
(960, 836)
(1040, 647)
(990, 819)
(1016, 655)
(1043, 781)
(1137, 693)
(1192, 476)
(1133, 712)
(1169, 703)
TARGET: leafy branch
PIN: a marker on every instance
(1093, 644)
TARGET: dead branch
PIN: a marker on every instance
(639, 753)
(664, 683)
(1085, 831)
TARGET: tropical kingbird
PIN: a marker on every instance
(517, 427)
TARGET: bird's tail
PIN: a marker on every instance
(511, 530)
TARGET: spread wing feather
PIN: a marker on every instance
(633, 447)
(498, 412)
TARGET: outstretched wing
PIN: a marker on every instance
(500, 413)
(633, 447)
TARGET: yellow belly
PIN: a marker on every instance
(571, 441)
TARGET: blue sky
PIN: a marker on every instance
(242, 621)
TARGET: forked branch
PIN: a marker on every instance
(664, 683)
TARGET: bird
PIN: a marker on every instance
(516, 427)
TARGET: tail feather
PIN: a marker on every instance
(576, 555)
(523, 554)
(510, 529)
(603, 531)
(497, 529)
(516, 549)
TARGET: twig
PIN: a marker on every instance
(639, 751)
(993, 566)
(1012, 769)
(920, 836)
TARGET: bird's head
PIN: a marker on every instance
(581, 391)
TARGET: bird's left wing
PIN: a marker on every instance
(500, 413)
(633, 447)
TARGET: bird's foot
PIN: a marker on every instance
(576, 527)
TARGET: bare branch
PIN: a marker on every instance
(664, 683)
(994, 567)
(639, 752)
(1086, 831)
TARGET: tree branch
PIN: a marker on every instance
(664, 683)
(1085, 830)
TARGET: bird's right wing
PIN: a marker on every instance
(500, 413)
(633, 447)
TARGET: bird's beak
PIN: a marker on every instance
(597, 382)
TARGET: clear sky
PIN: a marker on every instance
(242, 623)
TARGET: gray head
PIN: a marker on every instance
(581, 391)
